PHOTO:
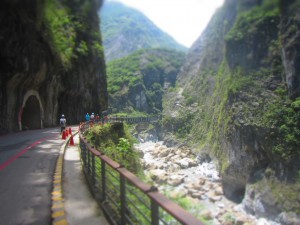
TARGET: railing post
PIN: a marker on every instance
(88, 162)
(93, 170)
(103, 179)
(83, 153)
(81, 149)
(154, 213)
(123, 199)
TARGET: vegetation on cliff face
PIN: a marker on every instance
(73, 31)
(126, 30)
(62, 30)
(51, 54)
(137, 82)
(250, 21)
(256, 96)
(241, 110)
(65, 28)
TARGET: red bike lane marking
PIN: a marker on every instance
(9, 161)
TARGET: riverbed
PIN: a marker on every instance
(178, 172)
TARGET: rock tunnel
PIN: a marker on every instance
(31, 112)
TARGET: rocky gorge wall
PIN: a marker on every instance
(244, 110)
(51, 63)
(137, 82)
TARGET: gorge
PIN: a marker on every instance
(234, 96)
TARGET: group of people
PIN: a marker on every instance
(88, 117)
(92, 117)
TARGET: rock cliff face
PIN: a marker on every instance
(239, 101)
(290, 45)
(138, 81)
(51, 63)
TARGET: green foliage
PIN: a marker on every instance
(283, 117)
(296, 104)
(190, 100)
(154, 95)
(129, 70)
(117, 143)
(131, 114)
(236, 89)
(284, 194)
(121, 72)
(238, 81)
(173, 89)
(185, 124)
(125, 152)
(66, 30)
(210, 123)
(181, 126)
(97, 48)
(145, 70)
(82, 49)
(248, 21)
(124, 146)
(189, 97)
(187, 204)
(62, 30)
(134, 81)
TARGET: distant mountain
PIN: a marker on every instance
(126, 30)
(136, 83)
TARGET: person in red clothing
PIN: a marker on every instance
(97, 118)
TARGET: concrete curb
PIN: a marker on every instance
(58, 213)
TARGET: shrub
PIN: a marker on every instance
(115, 141)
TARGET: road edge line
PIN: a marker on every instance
(58, 212)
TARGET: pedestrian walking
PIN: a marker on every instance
(92, 116)
(62, 123)
(87, 117)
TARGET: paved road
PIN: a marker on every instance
(27, 162)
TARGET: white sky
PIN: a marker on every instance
(184, 20)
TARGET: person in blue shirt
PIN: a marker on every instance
(87, 117)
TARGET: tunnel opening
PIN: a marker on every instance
(238, 195)
(234, 189)
(31, 117)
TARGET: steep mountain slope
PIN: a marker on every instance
(52, 62)
(239, 102)
(126, 30)
(137, 82)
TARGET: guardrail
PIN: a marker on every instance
(123, 197)
(134, 119)
(114, 119)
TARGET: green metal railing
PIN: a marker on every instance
(123, 197)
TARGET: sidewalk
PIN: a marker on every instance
(80, 207)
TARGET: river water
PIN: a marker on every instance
(220, 209)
